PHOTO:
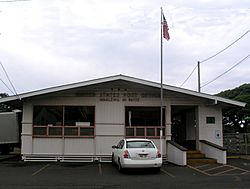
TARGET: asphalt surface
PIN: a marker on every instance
(15, 173)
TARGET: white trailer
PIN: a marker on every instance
(9, 131)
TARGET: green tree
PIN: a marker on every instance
(237, 119)
(4, 107)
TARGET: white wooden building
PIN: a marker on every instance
(81, 121)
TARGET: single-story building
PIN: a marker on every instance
(81, 121)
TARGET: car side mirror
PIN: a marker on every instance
(114, 147)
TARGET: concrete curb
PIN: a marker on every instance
(233, 157)
(245, 157)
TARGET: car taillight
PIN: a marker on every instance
(158, 154)
(126, 154)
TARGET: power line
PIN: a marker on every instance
(226, 47)
(9, 80)
(188, 76)
(215, 55)
(244, 59)
(7, 86)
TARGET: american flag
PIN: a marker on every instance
(165, 28)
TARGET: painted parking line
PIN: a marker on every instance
(198, 170)
(100, 168)
(213, 168)
(202, 166)
(166, 172)
(234, 168)
(226, 171)
(40, 170)
(219, 170)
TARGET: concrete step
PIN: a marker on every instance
(195, 154)
(193, 151)
(201, 161)
(195, 157)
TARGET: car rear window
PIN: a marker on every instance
(139, 144)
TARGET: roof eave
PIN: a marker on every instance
(216, 99)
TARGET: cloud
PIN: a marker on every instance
(210, 4)
(67, 41)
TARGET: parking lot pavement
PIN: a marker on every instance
(240, 163)
(219, 170)
(234, 167)
(245, 157)
(7, 157)
(18, 174)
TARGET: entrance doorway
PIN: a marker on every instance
(184, 130)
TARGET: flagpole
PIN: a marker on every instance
(161, 132)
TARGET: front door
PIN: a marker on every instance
(184, 126)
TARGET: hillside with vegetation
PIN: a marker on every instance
(4, 107)
(237, 119)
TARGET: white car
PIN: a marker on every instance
(136, 153)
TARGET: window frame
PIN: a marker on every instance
(63, 127)
(134, 129)
(210, 120)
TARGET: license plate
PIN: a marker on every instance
(144, 156)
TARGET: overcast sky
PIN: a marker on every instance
(45, 43)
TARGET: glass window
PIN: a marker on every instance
(139, 144)
(150, 131)
(144, 121)
(210, 120)
(120, 144)
(79, 116)
(71, 131)
(63, 120)
(143, 116)
(55, 131)
(87, 131)
(48, 115)
(40, 131)
(159, 130)
(140, 132)
(130, 131)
